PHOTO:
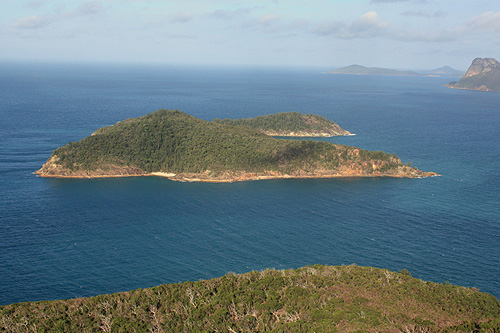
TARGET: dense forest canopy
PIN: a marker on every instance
(289, 122)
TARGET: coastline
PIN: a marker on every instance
(204, 177)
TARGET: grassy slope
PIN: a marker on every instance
(172, 141)
(314, 298)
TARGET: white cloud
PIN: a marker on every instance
(489, 21)
(423, 13)
(367, 26)
(370, 26)
(32, 22)
(35, 22)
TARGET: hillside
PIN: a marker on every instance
(483, 74)
(290, 124)
(446, 70)
(314, 298)
(362, 70)
(181, 147)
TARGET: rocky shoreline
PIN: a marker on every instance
(52, 170)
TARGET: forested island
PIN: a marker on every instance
(310, 299)
(293, 124)
(176, 145)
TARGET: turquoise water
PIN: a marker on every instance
(64, 238)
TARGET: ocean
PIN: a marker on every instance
(67, 238)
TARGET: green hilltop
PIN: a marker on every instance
(183, 147)
(310, 299)
(290, 124)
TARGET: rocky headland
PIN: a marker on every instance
(483, 75)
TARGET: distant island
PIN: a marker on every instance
(446, 71)
(361, 70)
(310, 299)
(293, 124)
(483, 74)
(178, 146)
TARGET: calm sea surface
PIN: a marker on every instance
(63, 238)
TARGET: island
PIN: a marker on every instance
(310, 299)
(483, 75)
(445, 71)
(178, 146)
(362, 70)
(292, 124)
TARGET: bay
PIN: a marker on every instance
(64, 238)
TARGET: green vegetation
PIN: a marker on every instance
(287, 122)
(173, 142)
(314, 298)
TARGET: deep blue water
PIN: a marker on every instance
(63, 238)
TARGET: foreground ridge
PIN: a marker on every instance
(178, 146)
(314, 298)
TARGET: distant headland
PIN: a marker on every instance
(181, 147)
(362, 70)
(483, 74)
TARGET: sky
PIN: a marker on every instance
(401, 34)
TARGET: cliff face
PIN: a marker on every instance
(481, 66)
(483, 74)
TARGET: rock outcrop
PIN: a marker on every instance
(483, 74)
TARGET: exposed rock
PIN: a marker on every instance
(482, 75)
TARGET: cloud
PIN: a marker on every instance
(489, 21)
(299, 23)
(35, 4)
(370, 26)
(222, 14)
(32, 22)
(423, 13)
(41, 21)
(181, 17)
(267, 20)
(367, 26)
(88, 8)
